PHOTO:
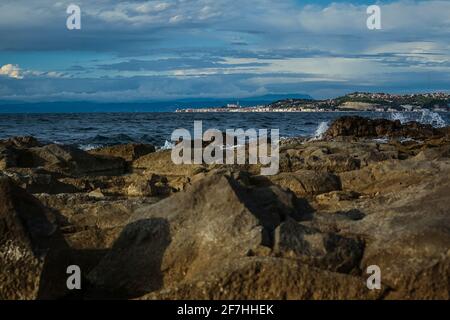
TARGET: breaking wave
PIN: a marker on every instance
(167, 145)
(424, 117)
(321, 129)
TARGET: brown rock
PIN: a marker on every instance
(68, 160)
(328, 251)
(20, 142)
(213, 221)
(365, 127)
(264, 278)
(307, 182)
(128, 152)
(161, 163)
(33, 256)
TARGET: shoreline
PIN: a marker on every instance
(271, 110)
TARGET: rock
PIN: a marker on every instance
(264, 278)
(390, 175)
(8, 158)
(336, 196)
(406, 225)
(142, 189)
(365, 127)
(307, 182)
(165, 231)
(11, 149)
(327, 251)
(90, 225)
(97, 193)
(38, 180)
(149, 185)
(161, 163)
(20, 142)
(214, 220)
(313, 157)
(68, 160)
(128, 152)
(33, 256)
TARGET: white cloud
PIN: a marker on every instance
(14, 71)
(11, 71)
(278, 44)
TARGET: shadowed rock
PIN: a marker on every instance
(364, 127)
(33, 255)
(215, 220)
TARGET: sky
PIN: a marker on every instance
(138, 51)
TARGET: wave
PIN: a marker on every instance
(87, 147)
(321, 129)
(425, 117)
(167, 145)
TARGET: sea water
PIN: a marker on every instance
(91, 130)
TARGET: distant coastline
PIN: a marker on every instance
(370, 102)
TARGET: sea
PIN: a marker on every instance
(93, 130)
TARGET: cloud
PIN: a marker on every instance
(15, 72)
(12, 71)
(188, 48)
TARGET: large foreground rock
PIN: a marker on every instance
(191, 232)
(33, 256)
(265, 278)
(407, 225)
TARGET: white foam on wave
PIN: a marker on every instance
(433, 118)
(87, 147)
(381, 140)
(321, 129)
(425, 117)
(400, 116)
(167, 146)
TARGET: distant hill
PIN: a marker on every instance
(365, 101)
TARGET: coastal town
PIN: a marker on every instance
(358, 101)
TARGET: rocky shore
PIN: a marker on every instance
(371, 192)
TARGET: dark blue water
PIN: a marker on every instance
(88, 130)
